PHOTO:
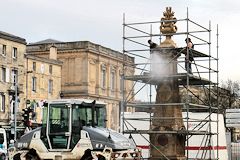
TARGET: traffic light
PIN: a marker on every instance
(12, 93)
(31, 112)
(25, 116)
(28, 115)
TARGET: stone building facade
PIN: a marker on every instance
(44, 81)
(90, 71)
(12, 50)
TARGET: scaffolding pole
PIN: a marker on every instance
(142, 75)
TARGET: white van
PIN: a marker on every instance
(197, 147)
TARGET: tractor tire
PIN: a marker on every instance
(17, 156)
(32, 155)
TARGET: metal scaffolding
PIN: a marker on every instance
(204, 78)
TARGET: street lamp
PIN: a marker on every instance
(16, 105)
(15, 111)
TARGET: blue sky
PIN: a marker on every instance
(100, 21)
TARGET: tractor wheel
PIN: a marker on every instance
(32, 155)
(101, 157)
(17, 156)
(3, 156)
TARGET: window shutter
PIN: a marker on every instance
(1, 48)
(12, 52)
(7, 74)
(12, 77)
(1, 104)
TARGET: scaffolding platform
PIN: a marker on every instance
(197, 89)
(180, 50)
(195, 53)
(183, 132)
(191, 106)
(181, 77)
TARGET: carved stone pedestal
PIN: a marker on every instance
(167, 119)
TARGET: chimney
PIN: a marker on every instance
(53, 52)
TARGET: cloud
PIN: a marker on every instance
(101, 21)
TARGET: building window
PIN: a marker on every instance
(50, 69)
(2, 103)
(50, 86)
(112, 80)
(14, 76)
(103, 77)
(4, 50)
(3, 74)
(14, 52)
(34, 66)
(34, 84)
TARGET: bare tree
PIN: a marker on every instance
(226, 96)
(233, 88)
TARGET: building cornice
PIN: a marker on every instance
(46, 60)
(78, 46)
(79, 93)
(11, 37)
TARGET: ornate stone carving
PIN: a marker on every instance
(92, 61)
(168, 27)
(168, 24)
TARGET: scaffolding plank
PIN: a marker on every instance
(182, 79)
(183, 50)
(194, 52)
(189, 132)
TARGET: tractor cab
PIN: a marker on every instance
(63, 121)
(69, 128)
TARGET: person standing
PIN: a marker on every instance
(152, 45)
(189, 58)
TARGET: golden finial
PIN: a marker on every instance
(168, 25)
(168, 22)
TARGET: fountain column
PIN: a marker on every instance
(167, 118)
